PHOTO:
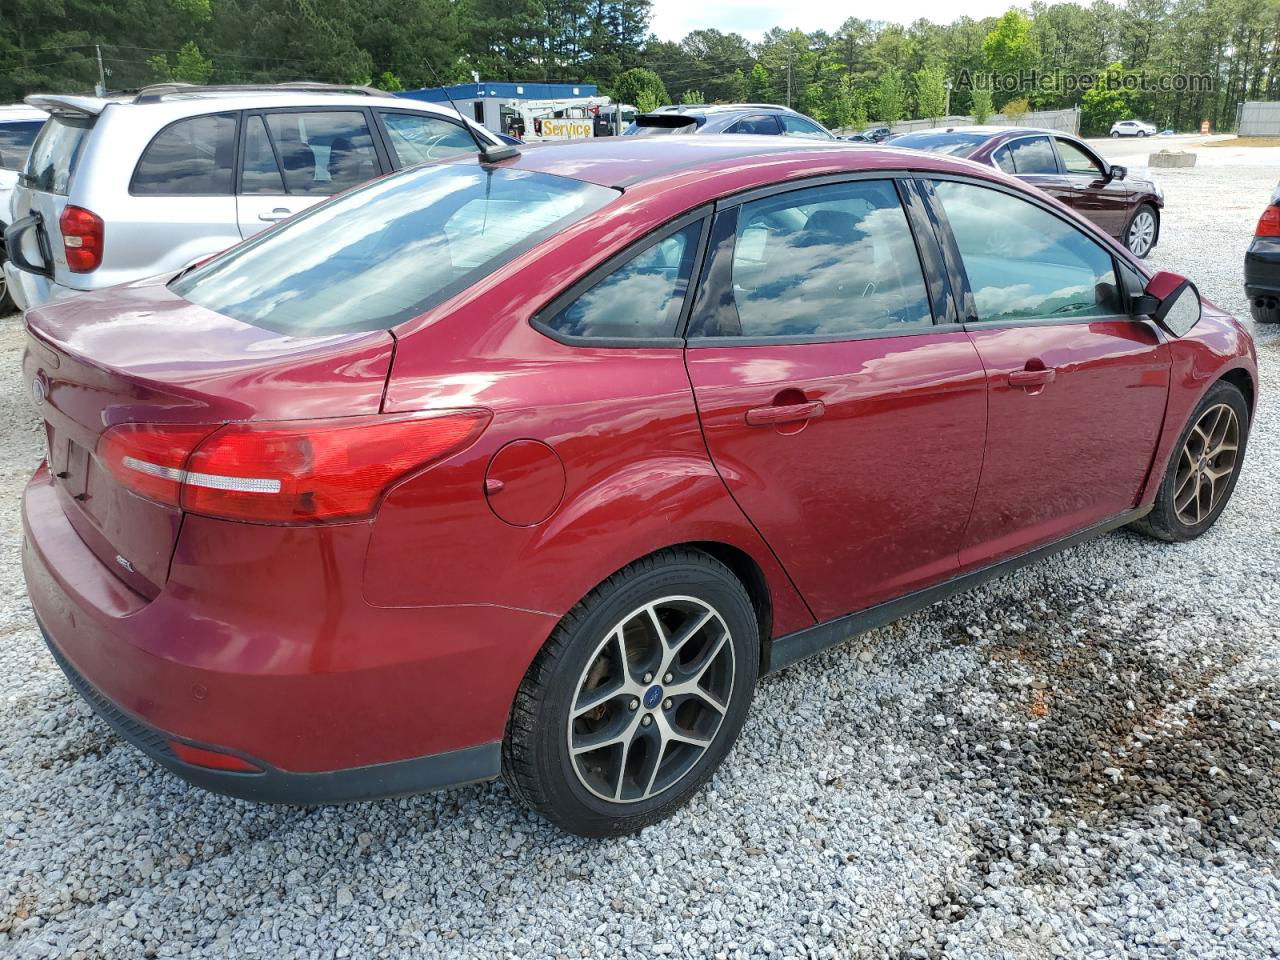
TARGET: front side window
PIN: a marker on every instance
(765, 124)
(641, 298)
(1024, 263)
(390, 250)
(191, 158)
(1033, 155)
(800, 127)
(1077, 161)
(829, 261)
(416, 138)
(323, 152)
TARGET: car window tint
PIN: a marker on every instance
(826, 261)
(15, 143)
(1004, 160)
(193, 157)
(259, 173)
(1033, 155)
(56, 154)
(323, 152)
(641, 298)
(416, 138)
(1023, 262)
(1076, 160)
(765, 124)
(800, 127)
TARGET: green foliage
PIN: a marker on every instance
(692, 97)
(758, 84)
(1015, 110)
(980, 106)
(190, 67)
(1009, 48)
(389, 82)
(641, 87)
(931, 92)
(1101, 107)
(890, 96)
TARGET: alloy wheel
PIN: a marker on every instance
(1142, 233)
(1205, 466)
(651, 699)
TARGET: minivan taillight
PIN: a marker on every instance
(293, 471)
(1269, 224)
(82, 232)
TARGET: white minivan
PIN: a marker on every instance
(120, 188)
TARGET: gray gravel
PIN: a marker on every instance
(1082, 760)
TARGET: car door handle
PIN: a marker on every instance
(1032, 378)
(785, 413)
(279, 213)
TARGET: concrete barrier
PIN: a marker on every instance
(1172, 158)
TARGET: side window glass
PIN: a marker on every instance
(194, 157)
(1004, 160)
(1033, 155)
(260, 172)
(764, 124)
(420, 139)
(826, 261)
(1077, 161)
(641, 298)
(800, 127)
(323, 152)
(1023, 262)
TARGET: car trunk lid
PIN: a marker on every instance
(141, 354)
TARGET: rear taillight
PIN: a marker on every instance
(81, 238)
(1269, 224)
(296, 471)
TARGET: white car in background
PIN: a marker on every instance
(1133, 128)
(132, 186)
(19, 125)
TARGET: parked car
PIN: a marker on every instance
(1133, 128)
(1066, 168)
(871, 135)
(18, 128)
(461, 474)
(126, 187)
(1262, 265)
(753, 118)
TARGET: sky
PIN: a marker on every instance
(672, 19)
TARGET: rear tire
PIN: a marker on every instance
(1203, 469)
(1115, 134)
(615, 673)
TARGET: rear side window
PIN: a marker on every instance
(639, 299)
(416, 138)
(323, 151)
(56, 153)
(193, 157)
(1033, 155)
(260, 172)
(389, 250)
(15, 143)
(829, 261)
(1004, 160)
(765, 124)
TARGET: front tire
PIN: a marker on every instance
(636, 698)
(1142, 231)
(1202, 473)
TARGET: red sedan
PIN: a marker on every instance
(532, 468)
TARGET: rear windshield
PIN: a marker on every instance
(15, 142)
(388, 251)
(55, 153)
(952, 144)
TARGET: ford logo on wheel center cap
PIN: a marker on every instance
(652, 697)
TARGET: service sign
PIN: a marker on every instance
(568, 129)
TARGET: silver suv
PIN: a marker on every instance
(121, 188)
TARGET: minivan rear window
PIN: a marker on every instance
(377, 255)
(56, 153)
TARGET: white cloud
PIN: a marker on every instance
(672, 19)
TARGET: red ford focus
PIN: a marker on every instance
(533, 467)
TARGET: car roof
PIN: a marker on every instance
(624, 162)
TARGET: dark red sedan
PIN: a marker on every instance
(534, 467)
(1065, 167)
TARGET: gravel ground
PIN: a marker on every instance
(1081, 760)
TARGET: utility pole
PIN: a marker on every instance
(102, 74)
(948, 85)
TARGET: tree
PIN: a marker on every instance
(1103, 105)
(931, 92)
(1016, 110)
(758, 84)
(692, 97)
(191, 66)
(389, 82)
(980, 105)
(1008, 50)
(640, 86)
(889, 96)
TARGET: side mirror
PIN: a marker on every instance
(1171, 301)
(1117, 172)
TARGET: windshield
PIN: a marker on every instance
(56, 152)
(953, 144)
(388, 251)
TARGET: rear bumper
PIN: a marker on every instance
(332, 698)
(1262, 269)
(30, 290)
